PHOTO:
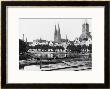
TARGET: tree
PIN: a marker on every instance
(84, 47)
(90, 48)
(78, 48)
(71, 48)
(23, 47)
(62, 48)
(53, 48)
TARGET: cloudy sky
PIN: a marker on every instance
(34, 28)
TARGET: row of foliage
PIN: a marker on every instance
(23, 47)
(72, 48)
(46, 47)
(79, 48)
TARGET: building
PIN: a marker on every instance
(85, 38)
(57, 35)
(40, 42)
(30, 43)
(77, 41)
(85, 32)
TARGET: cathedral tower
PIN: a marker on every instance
(85, 32)
(57, 35)
(85, 27)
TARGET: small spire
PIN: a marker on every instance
(58, 27)
(23, 37)
(55, 30)
(66, 37)
(86, 21)
(55, 27)
(26, 39)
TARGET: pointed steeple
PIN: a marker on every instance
(26, 39)
(59, 35)
(58, 29)
(66, 38)
(86, 21)
(55, 30)
(55, 34)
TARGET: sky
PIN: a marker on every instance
(34, 28)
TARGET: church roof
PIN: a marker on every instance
(64, 40)
(85, 36)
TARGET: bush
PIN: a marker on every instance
(24, 56)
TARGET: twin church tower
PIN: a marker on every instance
(57, 35)
(85, 33)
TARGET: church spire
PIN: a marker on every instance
(55, 30)
(59, 35)
(58, 28)
(66, 38)
(85, 21)
(26, 40)
(55, 34)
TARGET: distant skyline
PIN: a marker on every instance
(44, 28)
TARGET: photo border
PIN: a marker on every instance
(4, 5)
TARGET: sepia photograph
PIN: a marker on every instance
(55, 44)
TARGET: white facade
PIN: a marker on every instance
(77, 42)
